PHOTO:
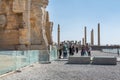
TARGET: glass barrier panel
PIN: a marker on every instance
(7, 61)
(14, 60)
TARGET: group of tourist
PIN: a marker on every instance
(70, 48)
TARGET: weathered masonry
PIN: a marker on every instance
(24, 24)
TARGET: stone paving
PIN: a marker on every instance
(60, 70)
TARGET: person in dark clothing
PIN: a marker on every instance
(64, 50)
(70, 50)
(88, 49)
(73, 49)
(76, 48)
(60, 50)
(118, 52)
(83, 50)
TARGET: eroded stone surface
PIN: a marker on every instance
(26, 22)
(3, 21)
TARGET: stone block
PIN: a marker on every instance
(37, 47)
(18, 6)
(2, 21)
(22, 47)
(104, 60)
(7, 47)
(79, 60)
(9, 37)
(23, 36)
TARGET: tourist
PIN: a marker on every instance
(76, 47)
(60, 51)
(64, 50)
(83, 50)
(118, 52)
(73, 49)
(70, 49)
(88, 49)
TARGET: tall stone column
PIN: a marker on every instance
(98, 34)
(83, 41)
(58, 39)
(80, 43)
(27, 14)
(58, 35)
(92, 37)
(48, 29)
(85, 34)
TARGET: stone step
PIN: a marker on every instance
(79, 60)
(104, 60)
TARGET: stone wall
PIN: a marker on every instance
(24, 24)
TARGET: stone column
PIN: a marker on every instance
(92, 37)
(58, 34)
(98, 34)
(85, 35)
(58, 40)
(28, 5)
(80, 43)
(83, 41)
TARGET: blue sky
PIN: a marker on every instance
(73, 15)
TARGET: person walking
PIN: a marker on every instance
(118, 52)
(88, 49)
(73, 49)
(64, 50)
(60, 51)
(70, 49)
(83, 50)
(76, 48)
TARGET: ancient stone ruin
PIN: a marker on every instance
(24, 25)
